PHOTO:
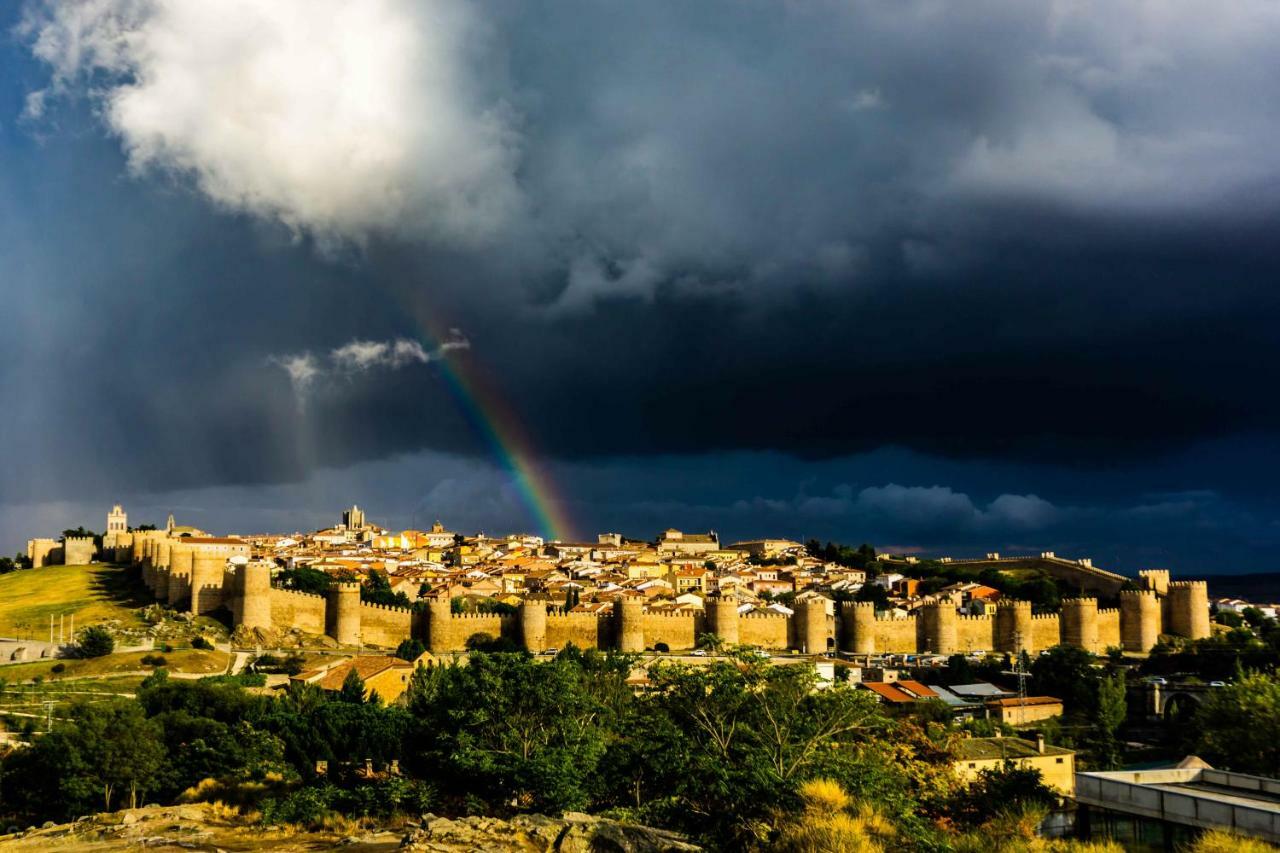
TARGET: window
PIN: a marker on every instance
(972, 765)
(1059, 761)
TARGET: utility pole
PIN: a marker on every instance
(1019, 671)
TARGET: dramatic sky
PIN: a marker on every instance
(946, 277)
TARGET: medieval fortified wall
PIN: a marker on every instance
(205, 574)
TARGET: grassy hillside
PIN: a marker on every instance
(95, 594)
(180, 660)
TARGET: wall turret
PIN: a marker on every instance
(206, 579)
(858, 627)
(1189, 609)
(342, 614)
(939, 628)
(78, 550)
(255, 604)
(439, 612)
(724, 619)
(1139, 619)
(628, 615)
(1154, 579)
(811, 626)
(533, 625)
(1014, 626)
(179, 586)
(1079, 621)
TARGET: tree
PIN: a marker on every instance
(1068, 673)
(713, 643)
(1239, 725)
(410, 649)
(377, 590)
(95, 641)
(506, 728)
(1229, 618)
(1254, 616)
(352, 689)
(102, 751)
(1111, 710)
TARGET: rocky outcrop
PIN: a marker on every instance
(573, 833)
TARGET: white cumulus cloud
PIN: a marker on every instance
(341, 120)
(307, 369)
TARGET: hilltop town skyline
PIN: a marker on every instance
(757, 269)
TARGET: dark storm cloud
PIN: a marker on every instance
(1032, 231)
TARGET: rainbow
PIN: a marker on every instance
(483, 405)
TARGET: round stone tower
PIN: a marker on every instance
(1013, 626)
(628, 616)
(342, 616)
(439, 618)
(179, 573)
(206, 580)
(1139, 619)
(533, 625)
(724, 620)
(940, 628)
(1079, 623)
(255, 607)
(162, 549)
(1189, 609)
(858, 627)
(811, 627)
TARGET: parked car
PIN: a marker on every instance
(1217, 684)
(1156, 679)
(551, 651)
(699, 653)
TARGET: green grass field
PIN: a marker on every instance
(179, 660)
(95, 594)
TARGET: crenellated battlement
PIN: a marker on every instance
(856, 606)
(392, 608)
(279, 590)
(177, 571)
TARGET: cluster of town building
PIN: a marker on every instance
(623, 593)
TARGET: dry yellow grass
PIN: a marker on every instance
(95, 594)
(182, 660)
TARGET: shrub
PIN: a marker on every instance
(410, 649)
(199, 642)
(153, 660)
(293, 664)
(95, 642)
(59, 668)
